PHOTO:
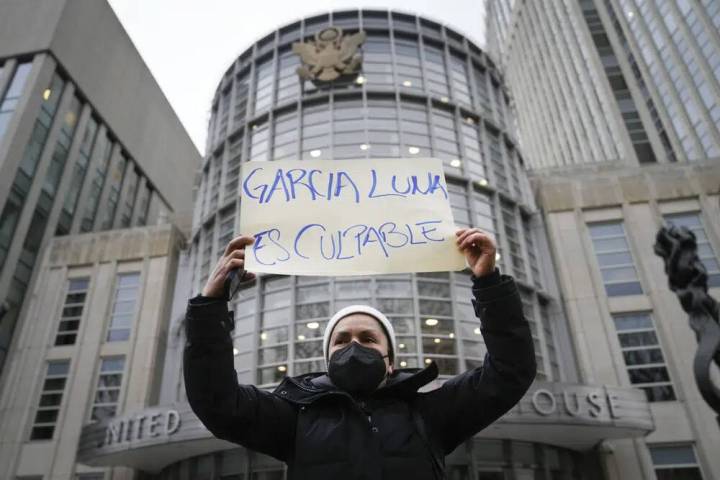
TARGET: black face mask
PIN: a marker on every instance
(357, 369)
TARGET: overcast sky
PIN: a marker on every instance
(188, 44)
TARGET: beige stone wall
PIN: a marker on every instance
(639, 197)
(152, 251)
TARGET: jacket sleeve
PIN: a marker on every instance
(242, 414)
(469, 402)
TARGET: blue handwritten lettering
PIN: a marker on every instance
(246, 189)
(340, 235)
(299, 235)
(258, 245)
(329, 186)
(357, 236)
(373, 185)
(410, 234)
(378, 239)
(392, 231)
(278, 184)
(395, 188)
(425, 230)
(302, 173)
(339, 185)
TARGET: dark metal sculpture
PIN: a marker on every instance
(687, 277)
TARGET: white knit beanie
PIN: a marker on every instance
(358, 309)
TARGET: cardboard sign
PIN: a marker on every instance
(370, 216)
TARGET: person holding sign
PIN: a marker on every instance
(363, 418)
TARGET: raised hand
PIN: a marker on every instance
(479, 250)
(233, 258)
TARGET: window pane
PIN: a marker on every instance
(648, 375)
(637, 339)
(632, 322)
(639, 357)
(395, 305)
(673, 455)
(619, 289)
(438, 345)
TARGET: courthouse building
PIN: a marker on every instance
(421, 89)
(93, 385)
(618, 107)
(86, 270)
(86, 138)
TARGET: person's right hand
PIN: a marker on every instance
(233, 258)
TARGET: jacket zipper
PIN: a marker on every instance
(334, 392)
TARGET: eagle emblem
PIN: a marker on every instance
(330, 56)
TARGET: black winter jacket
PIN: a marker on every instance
(324, 433)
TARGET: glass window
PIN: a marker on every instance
(242, 88)
(223, 115)
(446, 140)
(528, 302)
(274, 330)
(123, 311)
(72, 311)
(459, 204)
(107, 394)
(438, 345)
(474, 162)
(264, 80)
(395, 306)
(392, 288)
(446, 366)
(437, 82)
(12, 95)
(513, 239)
(105, 148)
(143, 203)
(618, 271)
(50, 400)
(550, 341)
(62, 147)
(259, 142)
(116, 179)
(288, 84)
(407, 59)
(207, 246)
(643, 356)
(232, 176)
(349, 138)
(312, 310)
(130, 196)
(530, 248)
(675, 462)
(402, 324)
(459, 74)
(415, 127)
(308, 349)
(496, 159)
(315, 138)
(692, 221)
(78, 177)
(285, 146)
(485, 210)
(481, 87)
(24, 178)
(377, 61)
(226, 229)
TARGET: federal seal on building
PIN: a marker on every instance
(330, 56)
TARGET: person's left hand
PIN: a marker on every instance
(479, 250)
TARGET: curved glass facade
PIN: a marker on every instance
(423, 90)
(490, 460)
